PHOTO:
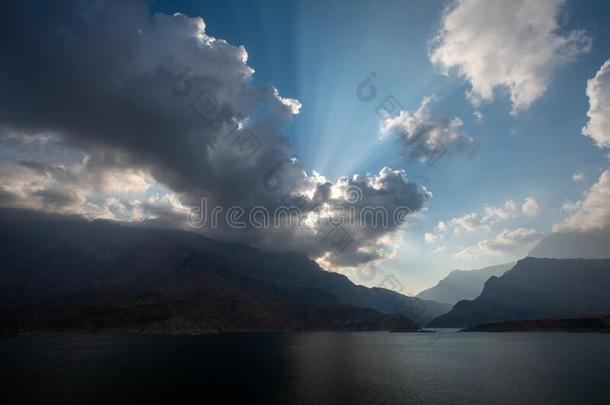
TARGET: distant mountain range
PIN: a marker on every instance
(66, 273)
(463, 284)
(600, 324)
(537, 288)
(574, 245)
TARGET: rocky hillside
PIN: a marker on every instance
(67, 273)
(463, 284)
(537, 288)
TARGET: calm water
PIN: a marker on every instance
(308, 368)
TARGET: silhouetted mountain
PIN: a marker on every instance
(573, 245)
(66, 272)
(463, 284)
(599, 324)
(537, 288)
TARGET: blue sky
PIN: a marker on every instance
(319, 51)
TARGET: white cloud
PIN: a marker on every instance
(530, 207)
(510, 44)
(570, 206)
(430, 237)
(598, 91)
(578, 176)
(438, 250)
(506, 242)
(441, 227)
(293, 104)
(592, 212)
(495, 214)
(466, 223)
(428, 136)
(474, 222)
(88, 188)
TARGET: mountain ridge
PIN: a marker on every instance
(461, 285)
(131, 268)
(592, 244)
(537, 288)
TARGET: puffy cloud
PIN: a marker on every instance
(578, 176)
(495, 214)
(25, 187)
(366, 208)
(474, 221)
(598, 91)
(592, 212)
(135, 103)
(467, 223)
(530, 207)
(510, 44)
(428, 137)
(481, 222)
(430, 237)
(506, 242)
(86, 185)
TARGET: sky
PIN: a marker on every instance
(498, 134)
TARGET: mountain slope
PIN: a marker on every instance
(463, 284)
(599, 324)
(537, 288)
(114, 274)
(573, 245)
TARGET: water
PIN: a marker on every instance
(308, 368)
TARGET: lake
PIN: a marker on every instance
(308, 368)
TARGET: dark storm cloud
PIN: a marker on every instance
(56, 198)
(157, 94)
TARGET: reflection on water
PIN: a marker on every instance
(304, 368)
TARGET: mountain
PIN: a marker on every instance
(537, 288)
(572, 245)
(600, 324)
(63, 272)
(463, 284)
